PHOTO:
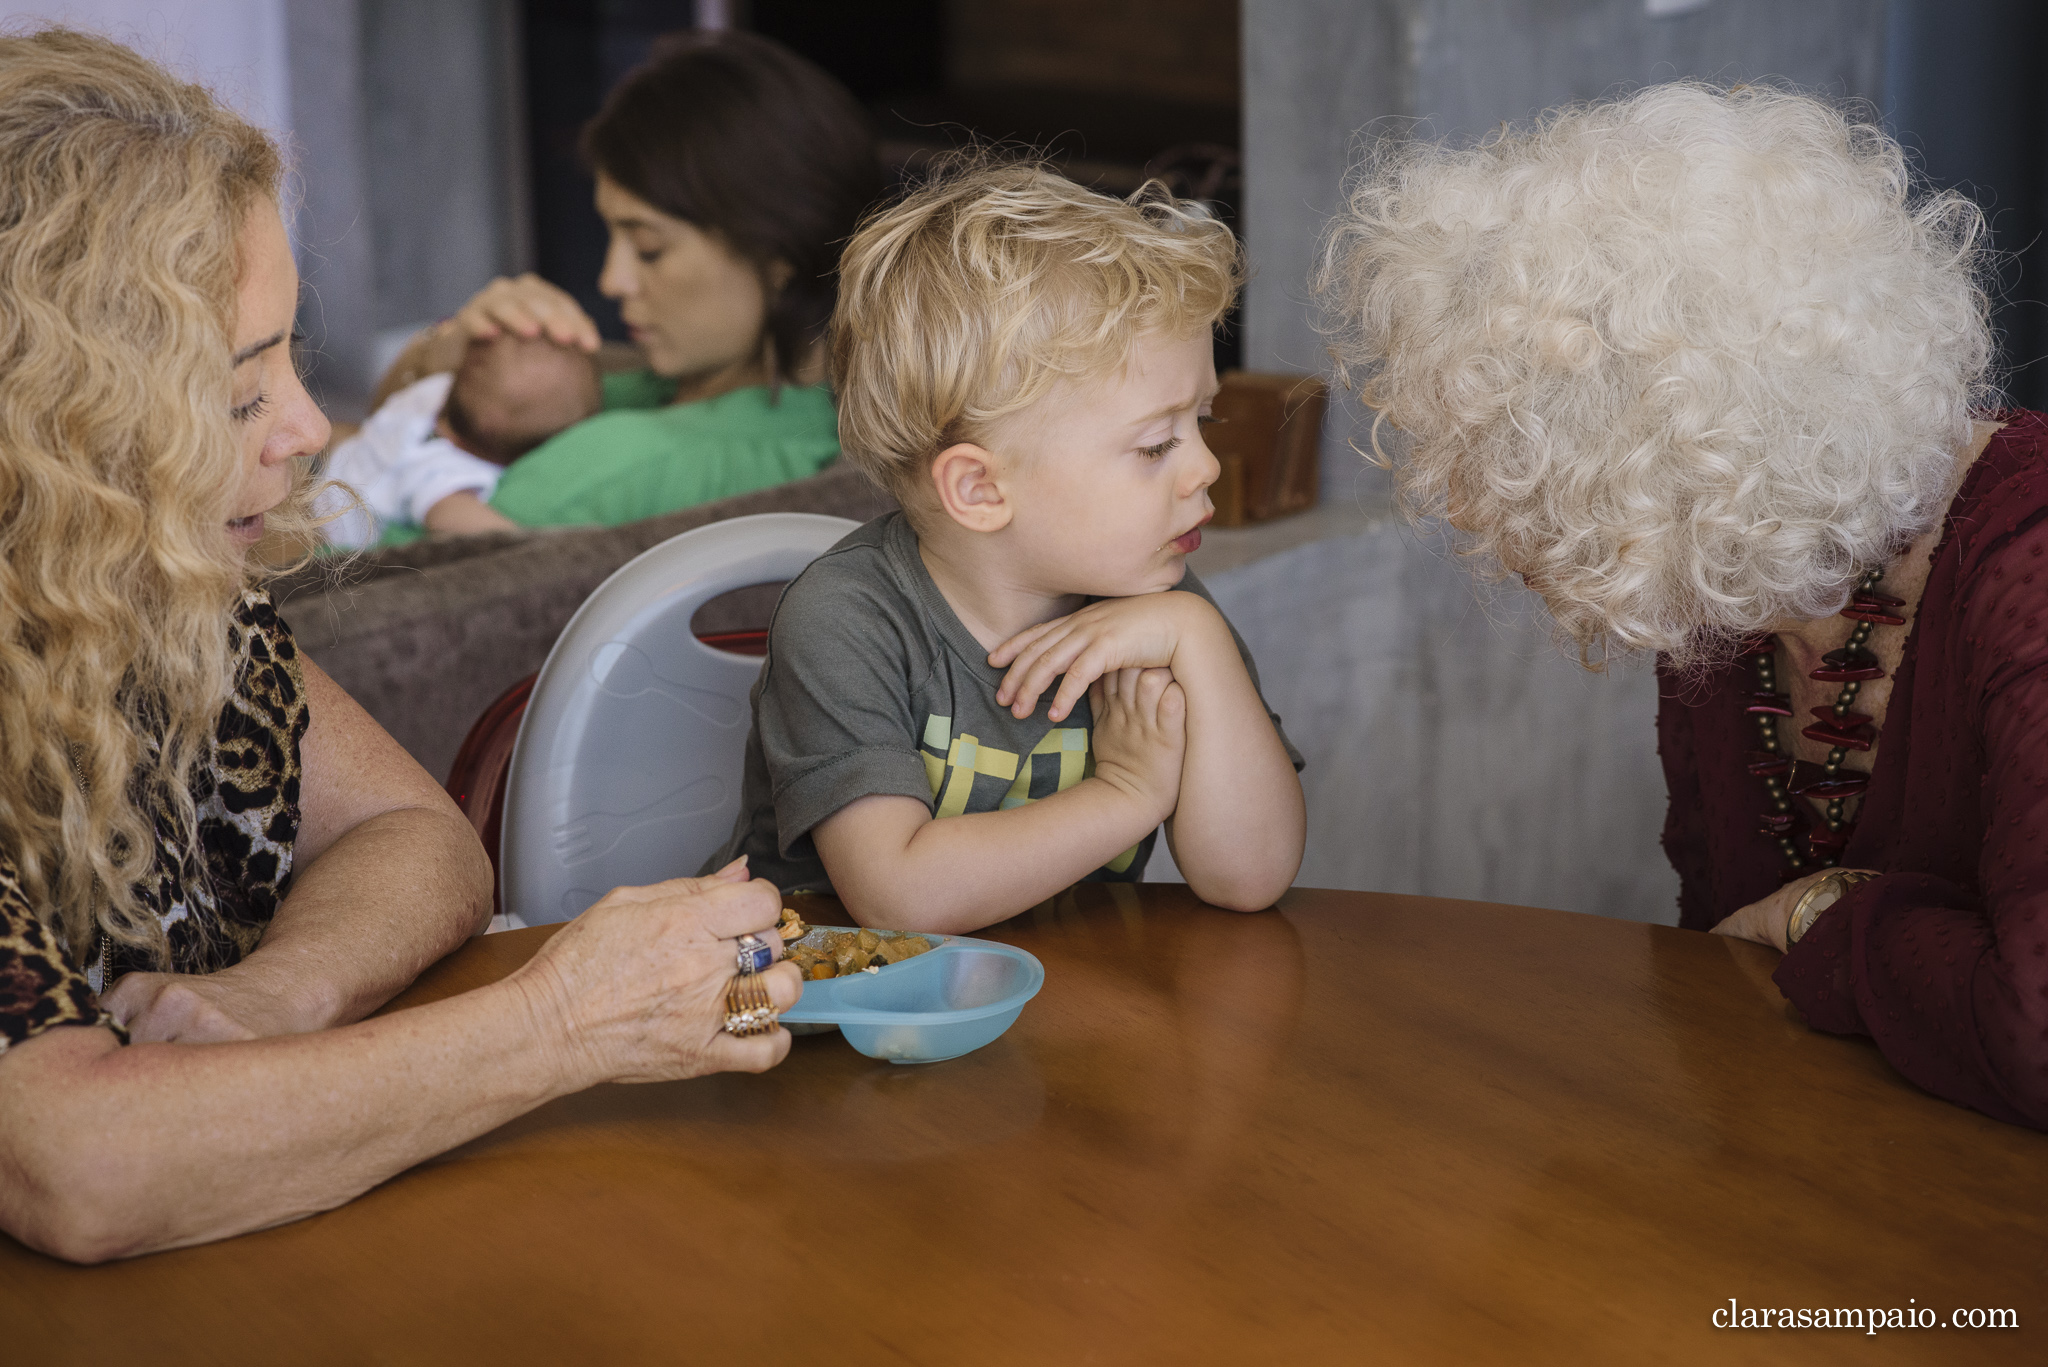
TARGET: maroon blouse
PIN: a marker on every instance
(1943, 961)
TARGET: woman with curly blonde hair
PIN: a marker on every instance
(1708, 372)
(202, 839)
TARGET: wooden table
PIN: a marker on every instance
(1359, 1129)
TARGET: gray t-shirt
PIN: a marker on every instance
(873, 685)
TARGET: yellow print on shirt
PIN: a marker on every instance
(1059, 761)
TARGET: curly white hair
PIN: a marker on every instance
(1685, 360)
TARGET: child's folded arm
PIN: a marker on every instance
(1241, 819)
(1238, 832)
(896, 867)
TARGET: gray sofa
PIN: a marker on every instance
(425, 636)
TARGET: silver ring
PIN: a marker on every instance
(755, 954)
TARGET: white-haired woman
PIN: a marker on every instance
(1703, 369)
(211, 860)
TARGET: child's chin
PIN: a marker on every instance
(1158, 582)
(1133, 580)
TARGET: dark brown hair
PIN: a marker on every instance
(736, 134)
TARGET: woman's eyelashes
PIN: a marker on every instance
(294, 344)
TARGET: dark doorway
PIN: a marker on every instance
(575, 51)
(1112, 99)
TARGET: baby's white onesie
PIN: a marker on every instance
(399, 468)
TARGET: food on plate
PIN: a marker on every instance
(827, 953)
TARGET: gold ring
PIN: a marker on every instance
(748, 1008)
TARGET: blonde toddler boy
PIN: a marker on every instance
(1009, 685)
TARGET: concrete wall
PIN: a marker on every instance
(1321, 74)
(407, 189)
(1452, 751)
(412, 148)
(443, 134)
(237, 47)
(332, 227)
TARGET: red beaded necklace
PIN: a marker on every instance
(1837, 727)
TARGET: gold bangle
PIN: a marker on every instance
(1808, 908)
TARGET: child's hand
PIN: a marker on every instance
(1140, 734)
(1116, 633)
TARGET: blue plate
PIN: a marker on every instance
(946, 1002)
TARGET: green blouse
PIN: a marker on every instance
(643, 456)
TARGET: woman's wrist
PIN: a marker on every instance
(297, 1003)
(1822, 893)
(538, 1002)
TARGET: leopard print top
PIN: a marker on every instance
(247, 796)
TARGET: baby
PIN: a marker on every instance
(438, 446)
(513, 393)
(1009, 685)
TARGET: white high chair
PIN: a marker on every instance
(627, 767)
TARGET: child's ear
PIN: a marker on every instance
(964, 475)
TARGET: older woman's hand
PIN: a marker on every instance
(1767, 919)
(638, 981)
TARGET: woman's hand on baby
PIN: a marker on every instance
(526, 306)
(1140, 735)
(1145, 632)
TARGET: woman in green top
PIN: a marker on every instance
(729, 171)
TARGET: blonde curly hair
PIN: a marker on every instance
(972, 297)
(123, 192)
(1686, 360)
